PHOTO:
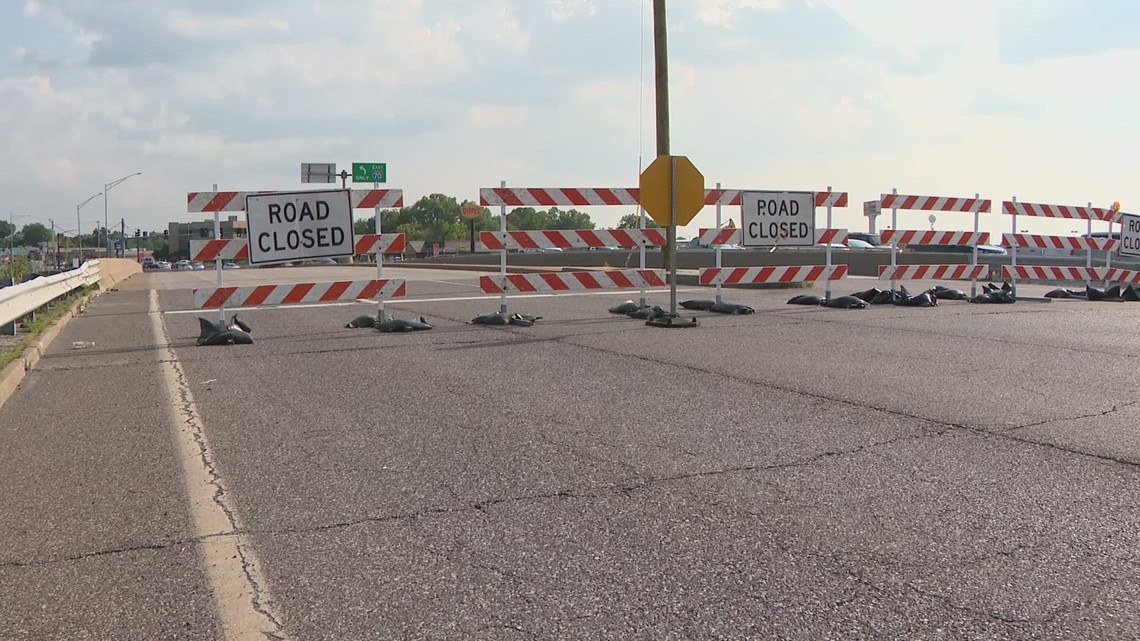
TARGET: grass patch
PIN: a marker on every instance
(45, 318)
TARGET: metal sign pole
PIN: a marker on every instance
(641, 250)
(1107, 251)
(503, 252)
(218, 261)
(673, 241)
(977, 222)
(379, 268)
(894, 230)
(1013, 254)
(1089, 251)
(828, 276)
(718, 245)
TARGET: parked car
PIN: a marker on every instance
(230, 265)
(855, 243)
(183, 265)
(197, 265)
(320, 261)
(870, 238)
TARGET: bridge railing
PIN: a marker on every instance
(24, 299)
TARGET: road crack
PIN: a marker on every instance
(1114, 409)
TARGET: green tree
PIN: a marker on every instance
(6, 229)
(569, 219)
(527, 218)
(455, 231)
(365, 225)
(436, 215)
(411, 231)
(35, 233)
(17, 268)
(629, 221)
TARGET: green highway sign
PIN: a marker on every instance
(369, 172)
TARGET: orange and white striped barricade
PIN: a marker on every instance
(299, 293)
(1075, 243)
(772, 274)
(1122, 276)
(895, 237)
(503, 241)
(721, 236)
(572, 281)
(1051, 273)
(519, 240)
(238, 248)
(219, 249)
(720, 276)
(1087, 213)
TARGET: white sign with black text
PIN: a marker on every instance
(318, 172)
(1129, 235)
(299, 225)
(778, 218)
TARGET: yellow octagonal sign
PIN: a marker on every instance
(656, 187)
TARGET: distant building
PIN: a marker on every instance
(182, 233)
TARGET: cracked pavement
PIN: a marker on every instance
(799, 474)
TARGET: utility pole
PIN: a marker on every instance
(661, 85)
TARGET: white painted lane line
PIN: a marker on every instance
(443, 299)
(240, 593)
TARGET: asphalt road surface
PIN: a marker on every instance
(962, 472)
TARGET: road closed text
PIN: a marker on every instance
(1130, 235)
(778, 218)
(299, 225)
(309, 237)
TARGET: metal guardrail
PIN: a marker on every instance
(20, 300)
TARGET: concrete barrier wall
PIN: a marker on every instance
(860, 263)
(113, 271)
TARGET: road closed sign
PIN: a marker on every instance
(299, 225)
(778, 218)
(1129, 235)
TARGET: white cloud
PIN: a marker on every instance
(565, 9)
(794, 94)
(720, 12)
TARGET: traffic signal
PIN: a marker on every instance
(166, 233)
(138, 233)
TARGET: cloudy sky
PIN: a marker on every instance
(1029, 98)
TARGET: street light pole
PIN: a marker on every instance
(106, 188)
(79, 226)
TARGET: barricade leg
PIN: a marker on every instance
(1013, 254)
(894, 245)
(719, 224)
(503, 253)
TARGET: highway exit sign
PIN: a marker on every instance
(369, 172)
